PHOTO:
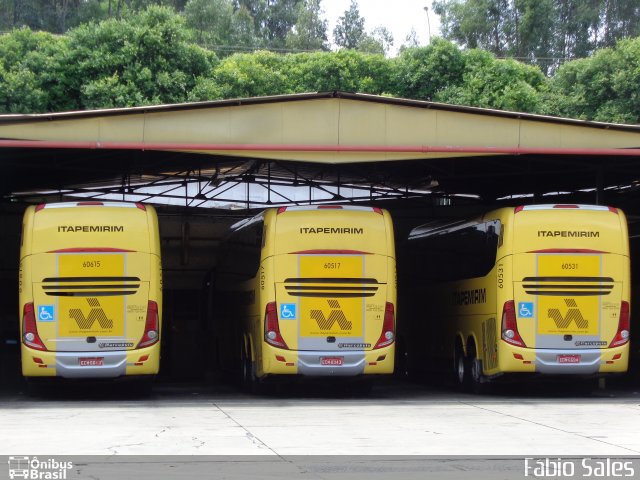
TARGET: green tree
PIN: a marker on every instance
(421, 72)
(144, 59)
(492, 83)
(620, 19)
(30, 70)
(211, 20)
(250, 74)
(380, 41)
(484, 24)
(243, 34)
(538, 30)
(533, 31)
(273, 20)
(310, 30)
(349, 30)
(345, 70)
(602, 87)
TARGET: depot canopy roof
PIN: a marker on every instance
(333, 128)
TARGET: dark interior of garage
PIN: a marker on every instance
(192, 193)
(190, 238)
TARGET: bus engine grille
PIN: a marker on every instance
(568, 286)
(334, 287)
(90, 286)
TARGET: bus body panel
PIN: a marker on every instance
(90, 289)
(346, 306)
(584, 303)
(572, 275)
(102, 301)
(540, 265)
(330, 274)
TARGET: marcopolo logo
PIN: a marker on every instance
(37, 469)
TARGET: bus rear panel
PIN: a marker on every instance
(334, 276)
(571, 290)
(90, 297)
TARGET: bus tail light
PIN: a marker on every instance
(272, 327)
(510, 332)
(30, 335)
(151, 326)
(388, 327)
(622, 335)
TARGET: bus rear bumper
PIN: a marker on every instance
(582, 362)
(567, 362)
(329, 363)
(101, 364)
(311, 364)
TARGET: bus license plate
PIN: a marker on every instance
(569, 358)
(92, 362)
(333, 361)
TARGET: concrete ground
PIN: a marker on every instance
(395, 419)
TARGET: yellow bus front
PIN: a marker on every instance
(568, 310)
(333, 313)
(90, 298)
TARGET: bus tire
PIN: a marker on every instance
(250, 382)
(477, 382)
(461, 366)
(246, 372)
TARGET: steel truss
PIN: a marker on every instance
(249, 184)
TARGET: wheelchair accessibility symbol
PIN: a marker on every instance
(525, 309)
(288, 311)
(45, 313)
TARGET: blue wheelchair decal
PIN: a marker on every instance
(525, 309)
(288, 311)
(45, 313)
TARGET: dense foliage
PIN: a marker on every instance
(545, 32)
(155, 56)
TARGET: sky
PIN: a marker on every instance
(399, 16)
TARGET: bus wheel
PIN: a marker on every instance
(476, 379)
(461, 368)
(247, 372)
(250, 382)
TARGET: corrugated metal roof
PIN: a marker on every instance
(333, 137)
(238, 102)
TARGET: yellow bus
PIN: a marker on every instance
(534, 289)
(90, 290)
(311, 291)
